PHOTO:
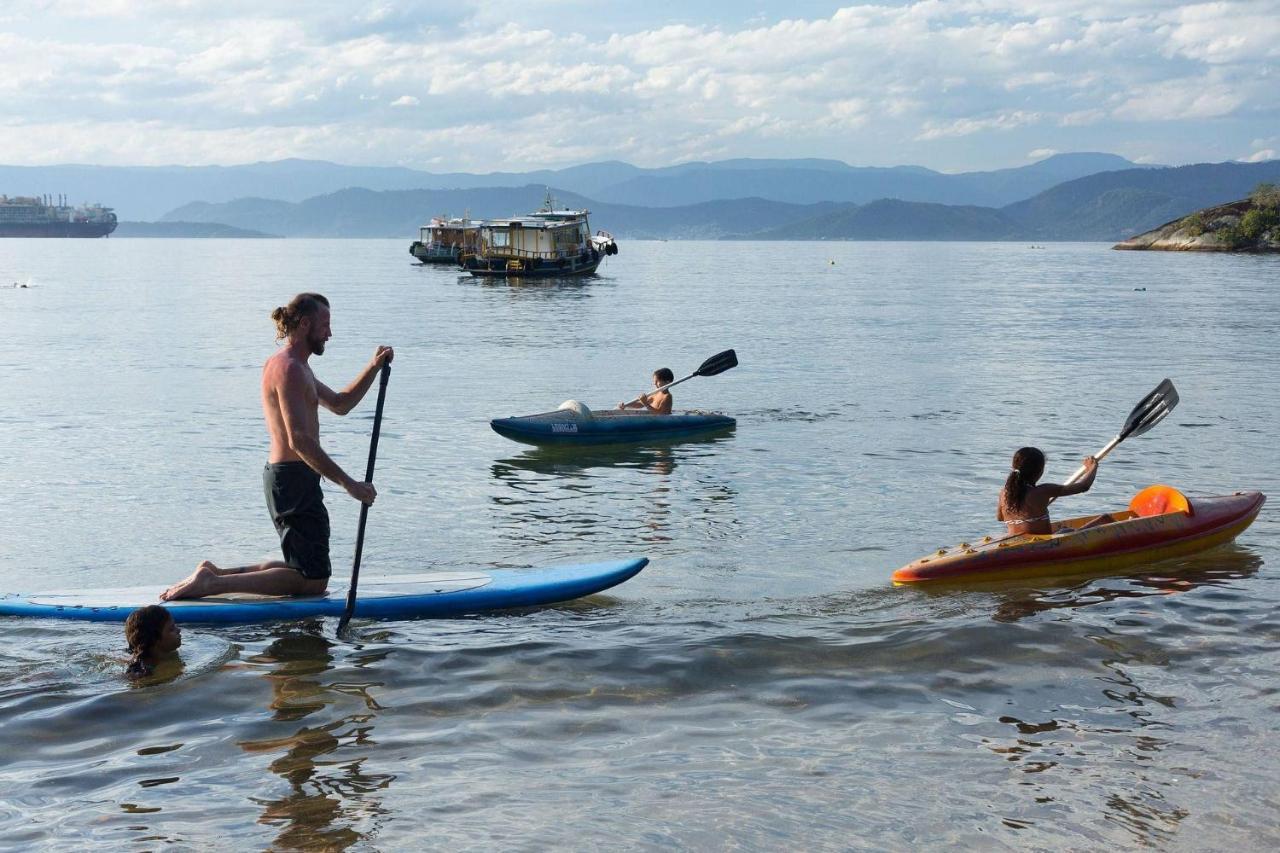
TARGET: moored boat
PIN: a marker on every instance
(576, 425)
(547, 243)
(1160, 523)
(46, 217)
(443, 240)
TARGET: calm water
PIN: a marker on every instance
(761, 685)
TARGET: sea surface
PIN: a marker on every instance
(761, 685)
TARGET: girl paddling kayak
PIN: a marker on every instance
(1024, 501)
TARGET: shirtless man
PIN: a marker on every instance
(291, 395)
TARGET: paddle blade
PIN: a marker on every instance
(718, 363)
(1153, 408)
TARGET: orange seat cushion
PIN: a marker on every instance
(1158, 500)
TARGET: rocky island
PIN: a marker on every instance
(1247, 225)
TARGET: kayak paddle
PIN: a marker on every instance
(1151, 410)
(718, 363)
(364, 508)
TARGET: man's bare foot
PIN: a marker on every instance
(197, 585)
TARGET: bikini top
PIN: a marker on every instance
(1044, 517)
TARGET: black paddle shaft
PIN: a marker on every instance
(364, 508)
(718, 363)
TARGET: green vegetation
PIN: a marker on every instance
(1259, 221)
(1266, 195)
(1193, 224)
(1231, 236)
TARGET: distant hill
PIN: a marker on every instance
(1245, 225)
(811, 181)
(891, 219)
(1109, 206)
(1115, 205)
(186, 229)
(364, 213)
(147, 192)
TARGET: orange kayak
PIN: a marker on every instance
(1160, 523)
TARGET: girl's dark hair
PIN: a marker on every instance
(288, 317)
(664, 375)
(141, 631)
(1028, 465)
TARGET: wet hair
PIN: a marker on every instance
(1028, 465)
(288, 317)
(664, 375)
(141, 631)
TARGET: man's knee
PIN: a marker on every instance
(314, 586)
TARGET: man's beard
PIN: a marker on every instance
(316, 343)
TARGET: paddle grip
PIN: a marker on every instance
(1080, 472)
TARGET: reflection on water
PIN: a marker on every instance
(610, 488)
(328, 795)
(1019, 599)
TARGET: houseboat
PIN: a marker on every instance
(544, 244)
(443, 240)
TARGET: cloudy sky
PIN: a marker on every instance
(455, 85)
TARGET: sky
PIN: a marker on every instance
(455, 85)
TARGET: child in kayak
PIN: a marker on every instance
(152, 634)
(1024, 503)
(659, 402)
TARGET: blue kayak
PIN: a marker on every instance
(575, 426)
(435, 595)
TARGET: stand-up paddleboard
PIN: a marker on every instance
(399, 597)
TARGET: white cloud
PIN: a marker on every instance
(968, 126)
(1261, 156)
(234, 80)
(1041, 153)
(1181, 99)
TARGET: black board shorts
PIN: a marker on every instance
(296, 504)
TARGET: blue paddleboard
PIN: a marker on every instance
(435, 595)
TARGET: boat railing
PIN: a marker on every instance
(528, 254)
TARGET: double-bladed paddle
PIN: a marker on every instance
(364, 508)
(1151, 410)
(718, 363)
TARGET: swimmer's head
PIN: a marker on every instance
(151, 633)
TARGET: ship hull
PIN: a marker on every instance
(504, 267)
(433, 253)
(56, 229)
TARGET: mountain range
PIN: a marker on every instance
(148, 192)
(1104, 206)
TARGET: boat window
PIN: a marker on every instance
(499, 238)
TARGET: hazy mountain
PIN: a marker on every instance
(1108, 206)
(185, 229)
(891, 219)
(399, 213)
(1117, 205)
(146, 192)
(829, 180)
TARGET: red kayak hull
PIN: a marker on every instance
(1130, 541)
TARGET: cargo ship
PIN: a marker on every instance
(26, 216)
